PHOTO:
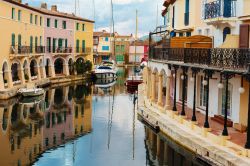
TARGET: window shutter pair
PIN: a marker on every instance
(244, 36)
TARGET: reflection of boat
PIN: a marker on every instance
(30, 101)
(106, 70)
(105, 83)
(30, 92)
(132, 83)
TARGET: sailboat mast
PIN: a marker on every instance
(113, 28)
(136, 31)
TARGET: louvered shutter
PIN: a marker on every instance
(244, 36)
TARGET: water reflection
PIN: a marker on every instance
(32, 126)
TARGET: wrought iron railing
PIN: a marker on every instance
(225, 58)
(83, 50)
(219, 8)
(27, 49)
(51, 49)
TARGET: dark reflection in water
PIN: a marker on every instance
(81, 124)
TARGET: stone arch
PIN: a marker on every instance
(16, 71)
(59, 65)
(33, 68)
(71, 66)
(5, 70)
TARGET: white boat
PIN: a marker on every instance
(106, 70)
(30, 92)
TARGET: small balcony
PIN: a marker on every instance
(231, 59)
(59, 50)
(27, 50)
(83, 50)
(219, 10)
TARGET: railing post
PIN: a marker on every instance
(175, 86)
(247, 145)
(195, 71)
(208, 74)
(184, 79)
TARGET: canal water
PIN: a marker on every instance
(84, 124)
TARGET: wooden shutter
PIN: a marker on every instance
(244, 36)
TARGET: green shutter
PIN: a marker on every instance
(48, 22)
(54, 45)
(19, 40)
(19, 15)
(77, 46)
(13, 13)
(31, 44)
(55, 23)
(66, 43)
(36, 19)
(13, 40)
(40, 21)
(83, 46)
(83, 27)
(31, 18)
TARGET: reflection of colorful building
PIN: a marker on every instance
(28, 129)
(21, 133)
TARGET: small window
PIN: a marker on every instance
(83, 27)
(64, 25)
(48, 22)
(180, 34)
(56, 23)
(36, 19)
(31, 18)
(77, 26)
(19, 15)
(41, 20)
(105, 48)
(199, 32)
(188, 34)
(13, 13)
(13, 40)
(106, 39)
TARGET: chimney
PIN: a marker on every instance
(44, 5)
(19, 1)
(54, 8)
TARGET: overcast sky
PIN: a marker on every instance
(124, 13)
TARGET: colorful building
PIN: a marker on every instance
(102, 46)
(138, 51)
(40, 44)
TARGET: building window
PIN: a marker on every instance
(122, 48)
(77, 26)
(186, 14)
(13, 13)
(31, 44)
(180, 34)
(226, 31)
(188, 34)
(77, 46)
(117, 48)
(56, 22)
(199, 31)
(36, 19)
(83, 27)
(31, 18)
(41, 41)
(64, 25)
(106, 39)
(83, 46)
(105, 48)
(202, 93)
(48, 22)
(41, 20)
(13, 40)
(19, 15)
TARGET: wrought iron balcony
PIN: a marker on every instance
(220, 58)
(83, 50)
(67, 50)
(219, 8)
(27, 50)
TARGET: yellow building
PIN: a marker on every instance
(84, 39)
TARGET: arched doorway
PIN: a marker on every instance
(71, 66)
(58, 66)
(5, 74)
(33, 68)
(80, 66)
(16, 72)
(226, 31)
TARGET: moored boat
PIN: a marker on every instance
(106, 70)
(30, 92)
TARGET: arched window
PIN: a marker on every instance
(226, 31)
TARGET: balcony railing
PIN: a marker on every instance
(231, 58)
(50, 49)
(83, 50)
(27, 49)
(219, 8)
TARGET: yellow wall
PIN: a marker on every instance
(86, 35)
(22, 27)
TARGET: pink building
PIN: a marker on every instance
(138, 52)
(59, 40)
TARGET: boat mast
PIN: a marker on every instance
(113, 29)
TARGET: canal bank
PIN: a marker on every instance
(216, 149)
